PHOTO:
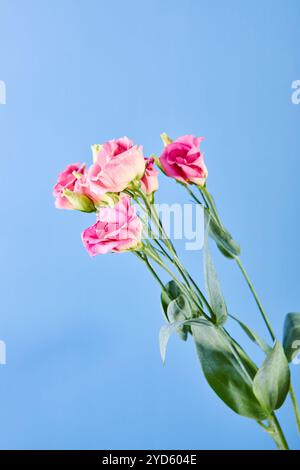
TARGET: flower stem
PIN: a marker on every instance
(211, 203)
(184, 273)
(258, 302)
(155, 257)
(173, 258)
(154, 216)
(212, 206)
(295, 406)
(277, 434)
(201, 295)
(150, 267)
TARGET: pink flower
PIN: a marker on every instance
(117, 164)
(149, 181)
(183, 161)
(115, 147)
(117, 229)
(67, 179)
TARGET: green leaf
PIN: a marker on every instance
(167, 330)
(252, 335)
(213, 287)
(272, 381)
(170, 292)
(225, 371)
(223, 239)
(176, 307)
(248, 364)
(291, 335)
(179, 309)
(164, 335)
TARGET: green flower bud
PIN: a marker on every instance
(79, 202)
(96, 148)
(166, 139)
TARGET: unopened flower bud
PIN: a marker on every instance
(79, 202)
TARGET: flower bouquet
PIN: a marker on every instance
(120, 187)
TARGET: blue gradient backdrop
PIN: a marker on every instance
(83, 367)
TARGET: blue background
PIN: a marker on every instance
(83, 366)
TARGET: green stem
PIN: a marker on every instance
(174, 258)
(150, 267)
(258, 302)
(193, 195)
(295, 406)
(184, 276)
(154, 256)
(239, 263)
(201, 295)
(277, 434)
(153, 214)
(274, 429)
(272, 334)
(264, 426)
(208, 197)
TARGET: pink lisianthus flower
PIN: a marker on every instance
(117, 229)
(116, 146)
(67, 180)
(183, 160)
(116, 165)
(149, 182)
